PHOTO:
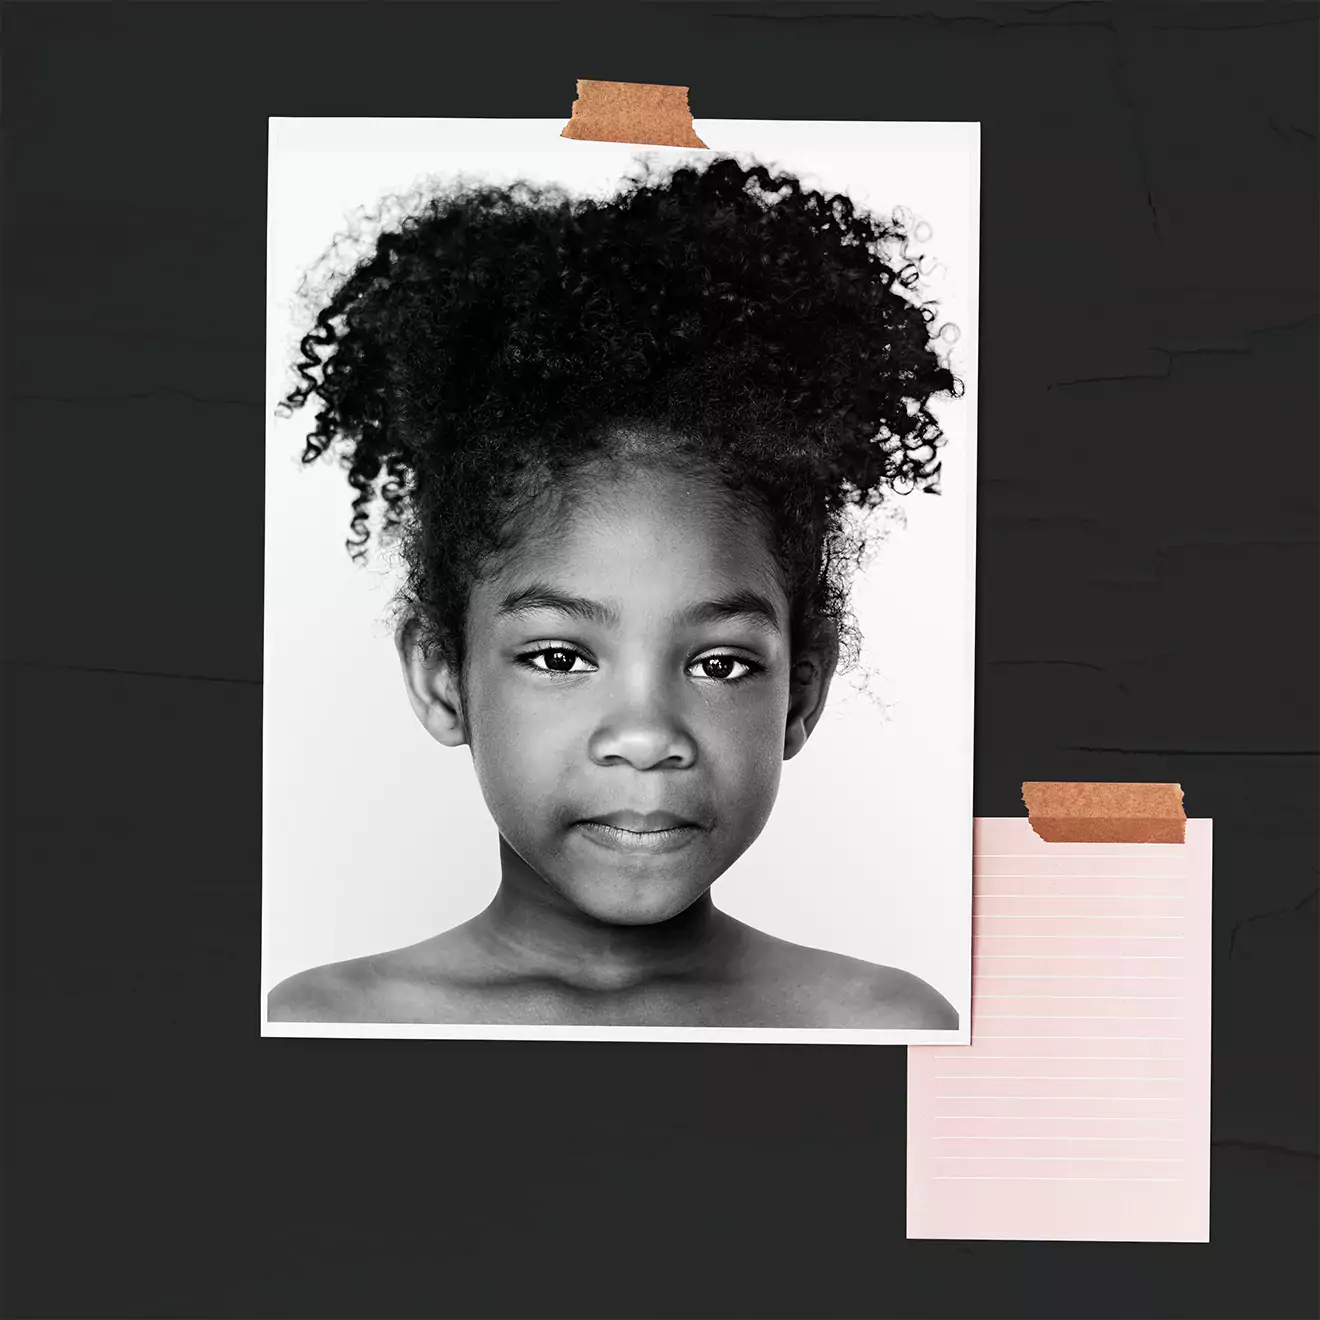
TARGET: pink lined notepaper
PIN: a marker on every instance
(1081, 1109)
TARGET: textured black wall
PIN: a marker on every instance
(1147, 610)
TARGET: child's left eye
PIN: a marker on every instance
(722, 668)
(558, 660)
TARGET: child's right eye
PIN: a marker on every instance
(558, 660)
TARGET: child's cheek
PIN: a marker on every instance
(746, 742)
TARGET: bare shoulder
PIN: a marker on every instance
(836, 990)
(891, 997)
(337, 992)
(378, 988)
(420, 983)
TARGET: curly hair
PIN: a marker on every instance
(493, 338)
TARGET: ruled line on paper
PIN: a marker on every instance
(1011, 1178)
(1060, 1118)
(1075, 1159)
(1039, 1138)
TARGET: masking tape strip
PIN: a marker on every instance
(644, 113)
(1106, 813)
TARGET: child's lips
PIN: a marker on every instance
(633, 831)
(639, 822)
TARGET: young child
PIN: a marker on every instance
(616, 440)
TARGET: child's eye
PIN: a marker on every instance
(723, 668)
(557, 660)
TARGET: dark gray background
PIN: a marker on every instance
(1147, 610)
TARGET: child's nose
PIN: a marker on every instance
(645, 734)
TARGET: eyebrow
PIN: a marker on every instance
(743, 604)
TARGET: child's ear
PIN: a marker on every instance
(433, 688)
(808, 686)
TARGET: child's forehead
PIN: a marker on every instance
(640, 504)
(642, 530)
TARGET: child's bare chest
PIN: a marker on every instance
(543, 1003)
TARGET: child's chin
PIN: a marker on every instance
(633, 909)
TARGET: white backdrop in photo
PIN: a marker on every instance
(376, 837)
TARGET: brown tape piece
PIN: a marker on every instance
(1106, 813)
(648, 114)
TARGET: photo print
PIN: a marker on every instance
(619, 582)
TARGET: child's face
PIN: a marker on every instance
(628, 695)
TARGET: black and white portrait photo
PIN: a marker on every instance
(619, 581)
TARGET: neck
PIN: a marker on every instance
(531, 930)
